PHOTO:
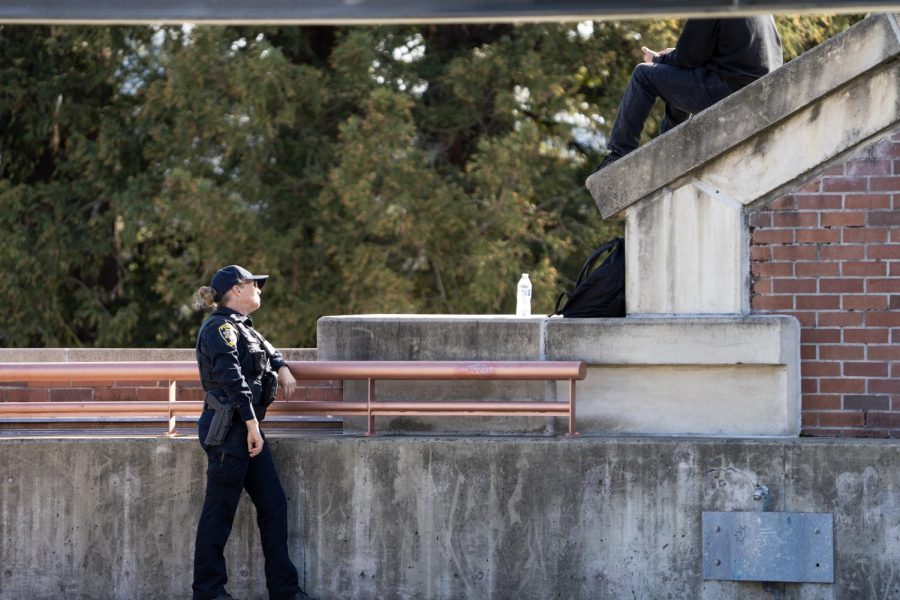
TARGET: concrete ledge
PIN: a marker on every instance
(759, 340)
(443, 518)
(863, 48)
(428, 337)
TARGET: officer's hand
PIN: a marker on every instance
(286, 381)
(254, 438)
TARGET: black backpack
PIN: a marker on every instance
(600, 293)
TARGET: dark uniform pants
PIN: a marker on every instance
(230, 470)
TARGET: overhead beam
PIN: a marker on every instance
(350, 12)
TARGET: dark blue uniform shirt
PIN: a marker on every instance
(232, 358)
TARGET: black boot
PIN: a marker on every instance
(608, 160)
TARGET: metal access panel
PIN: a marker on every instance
(768, 546)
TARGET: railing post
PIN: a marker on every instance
(369, 399)
(171, 407)
(572, 432)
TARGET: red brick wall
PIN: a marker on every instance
(829, 254)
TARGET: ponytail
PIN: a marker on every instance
(205, 298)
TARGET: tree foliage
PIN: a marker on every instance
(367, 169)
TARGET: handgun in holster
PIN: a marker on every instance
(221, 421)
(268, 388)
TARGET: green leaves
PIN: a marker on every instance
(802, 33)
(367, 169)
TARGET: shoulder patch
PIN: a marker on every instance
(228, 333)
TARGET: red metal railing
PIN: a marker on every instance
(371, 371)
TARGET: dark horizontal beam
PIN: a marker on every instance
(337, 12)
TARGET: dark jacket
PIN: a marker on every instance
(740, 51)
(232, 359)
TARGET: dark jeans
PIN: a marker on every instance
(230, 470)
(685, 92)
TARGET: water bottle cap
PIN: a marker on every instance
(524, 274)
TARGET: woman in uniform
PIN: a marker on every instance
(238, 371)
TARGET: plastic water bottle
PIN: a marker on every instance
(523, 297)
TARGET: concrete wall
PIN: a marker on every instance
(664, 376)
(401, 517)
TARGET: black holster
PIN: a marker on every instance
(221, 421)
(269, 385)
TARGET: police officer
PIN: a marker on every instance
(237, 370)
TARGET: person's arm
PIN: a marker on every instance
(694, 47)
(287, 381)
(285, 377)
(254, 438)
(221, 341)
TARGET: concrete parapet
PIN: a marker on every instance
(401, 517)
(438, 337)
(663, 376)
(452, 337)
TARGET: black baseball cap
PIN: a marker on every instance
(228, 277)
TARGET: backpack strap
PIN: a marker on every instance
(589, 263)
(556, 305)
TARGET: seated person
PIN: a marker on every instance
(712, 59)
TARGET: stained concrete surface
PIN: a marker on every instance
(444, 517)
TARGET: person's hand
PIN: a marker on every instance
(286, 381)
(254, 438)
(649, 54)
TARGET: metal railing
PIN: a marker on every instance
(370, 371)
